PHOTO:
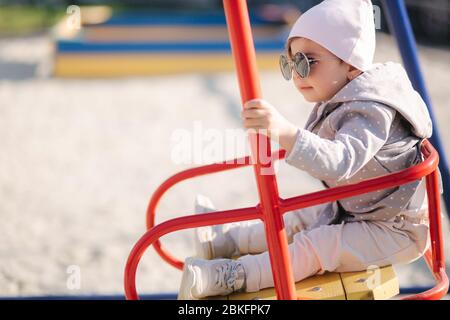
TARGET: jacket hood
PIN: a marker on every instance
(388, 83)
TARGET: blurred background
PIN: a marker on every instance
(91, 96)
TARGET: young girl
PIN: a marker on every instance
(368, 121)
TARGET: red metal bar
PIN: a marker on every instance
(181, 176)
(366, 186)
(435, 221)
(186, 174)
(192, 221)
(441, 287)
(434, 256)
(243, 49)
(298, 202)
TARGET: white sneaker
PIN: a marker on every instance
(205, 278)
(212, 241)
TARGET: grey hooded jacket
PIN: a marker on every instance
(371, 127)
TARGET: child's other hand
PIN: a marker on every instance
(260, 114)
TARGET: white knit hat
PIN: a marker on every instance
(344, 27)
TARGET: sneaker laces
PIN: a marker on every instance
(230, 276)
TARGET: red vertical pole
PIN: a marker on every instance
(242, 46)
(435, 221)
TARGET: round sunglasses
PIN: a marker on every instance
(301, 64)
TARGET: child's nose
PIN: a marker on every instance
(297, 77)
(299, 80)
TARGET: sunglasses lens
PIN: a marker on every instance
(285, 67)
(301, 64)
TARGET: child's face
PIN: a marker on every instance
(327, 76)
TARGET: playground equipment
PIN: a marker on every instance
(272, 207)
(111, 44)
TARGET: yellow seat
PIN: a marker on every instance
(373, 284)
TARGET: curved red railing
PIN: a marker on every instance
(434, 256)
(271, 206)
(184, 175)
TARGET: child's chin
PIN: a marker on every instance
(309, 97)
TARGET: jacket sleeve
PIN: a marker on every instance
(361, 130)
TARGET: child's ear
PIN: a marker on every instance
(353, 72)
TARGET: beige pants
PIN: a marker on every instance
(354, 246)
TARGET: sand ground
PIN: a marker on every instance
(81, 158)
